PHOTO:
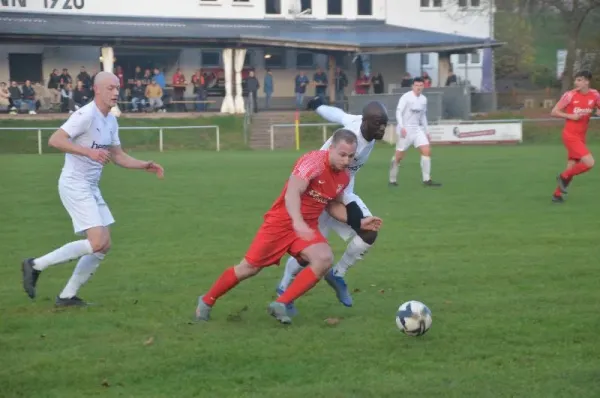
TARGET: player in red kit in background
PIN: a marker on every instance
(577, 107)
(291, 226)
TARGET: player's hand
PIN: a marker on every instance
(371, 223)
(575, 116)
(304, 231)
(99, 155)
(155, 168)
(403, 133)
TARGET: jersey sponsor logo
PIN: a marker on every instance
(99, 146)
(319, 197)
(339, 188)
(582, 111)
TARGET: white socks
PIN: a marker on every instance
(354, 252)
(85, 268)
(393, 169)
(292, 267)
(68, 252)
(426, 168)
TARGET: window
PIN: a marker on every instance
(334, 7)
(475, 58)
(424, 59)
(275, 58)
(305, 5)
(462, 59)
(365, 7)
(469, 3)
(211, 58)
(432, 3)
(305, 60)
(273, 7)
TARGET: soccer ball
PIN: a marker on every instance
(413, 318)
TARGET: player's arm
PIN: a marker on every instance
(61, 140)
(559, 108)
(297, 185)
(329, 113)
(424, 119)
(352, 215)
(399, 112)
(122, 159)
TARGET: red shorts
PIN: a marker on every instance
(576, 148)
(272, 242)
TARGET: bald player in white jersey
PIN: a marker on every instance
(89, 139)
(368, 128)
(411, 116)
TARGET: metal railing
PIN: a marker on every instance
(323, 125)
(160, 133)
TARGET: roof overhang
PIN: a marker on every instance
(367, 37)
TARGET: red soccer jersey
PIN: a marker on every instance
(574, 102)
(324, 185)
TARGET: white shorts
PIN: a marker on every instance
(85, 205)
(328, 223)
(416, 138)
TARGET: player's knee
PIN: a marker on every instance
(425, 150)
(589, 161)
(246, 270)
(368, 237)
(100, 243)
(323, 259)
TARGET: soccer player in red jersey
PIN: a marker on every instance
(291, 226)
(577, 107)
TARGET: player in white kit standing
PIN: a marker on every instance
(368, 128)
(89, 139)
(411, 116)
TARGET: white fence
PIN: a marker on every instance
(160, 133)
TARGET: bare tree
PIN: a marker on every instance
(573, 13)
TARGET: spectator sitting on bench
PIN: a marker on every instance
(154, 94)
(67, 103)
(81, 96)
(29, 97)
(5, 100)
(138, 96)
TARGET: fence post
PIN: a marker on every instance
(39, 139)
(218, 138)
(160, 140)
(324, 133)
(272, 137)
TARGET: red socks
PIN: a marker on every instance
(303, 282)
(577, 169)
(227, 281)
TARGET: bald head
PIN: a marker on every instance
(103, 78)
(106, 90)
(375, 120)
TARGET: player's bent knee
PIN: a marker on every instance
(368, 237)
(245, 270)
(425, 150)
(588, 161)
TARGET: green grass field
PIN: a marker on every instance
(512, 281)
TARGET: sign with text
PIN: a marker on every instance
(135, 8)
(485, 133)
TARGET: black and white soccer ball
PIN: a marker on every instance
(414, 318)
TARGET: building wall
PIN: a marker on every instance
(189, 60)
(71, 57)
(474, 22)
(218, 9)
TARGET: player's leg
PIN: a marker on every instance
(294, 265)
(85, 214)
(578, 151)
(319, 257)
(562, 186)
(358, 245)
(402, 144)
(268, 247)
(85, 268)
(422, 144)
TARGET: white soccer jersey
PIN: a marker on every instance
(88, 127)
(364, 147)
(411, 112)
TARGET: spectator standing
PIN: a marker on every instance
(268, 87)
